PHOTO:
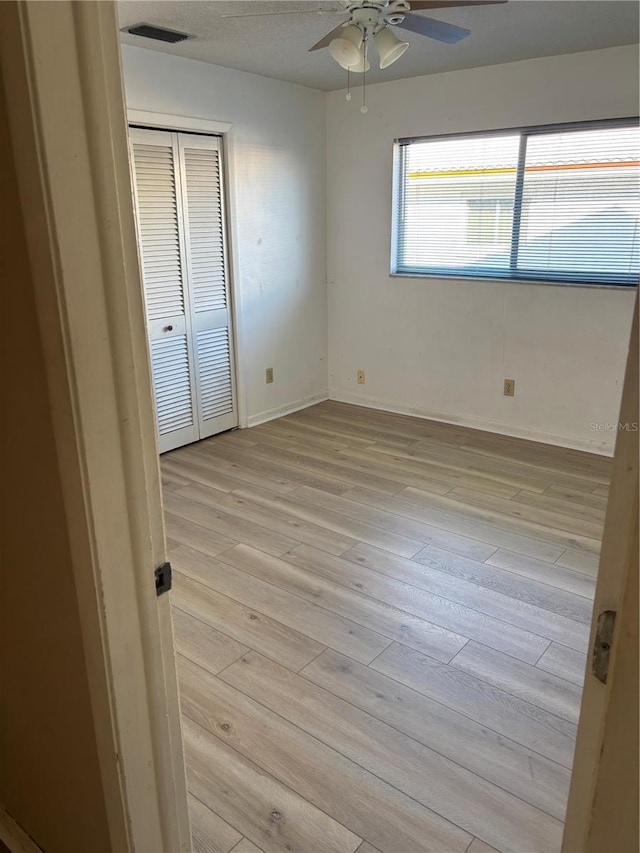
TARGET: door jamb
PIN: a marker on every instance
(72, 168)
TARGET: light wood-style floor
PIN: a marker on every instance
(382, 626)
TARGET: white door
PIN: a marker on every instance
(602, 813)
(180, 212)
(203, 211)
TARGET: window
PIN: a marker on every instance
(557, 203)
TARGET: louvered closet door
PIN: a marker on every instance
(181, 231)
(159, 211)
(204, 226)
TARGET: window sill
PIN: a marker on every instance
(501, 280)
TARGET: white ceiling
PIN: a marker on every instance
(278, 46)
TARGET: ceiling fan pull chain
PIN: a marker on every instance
(364, 108)
(348, 84)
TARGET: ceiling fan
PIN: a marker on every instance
(370, 19)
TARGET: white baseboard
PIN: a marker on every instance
(574, 443)
(287, 409)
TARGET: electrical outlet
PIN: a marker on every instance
(361, 379)
(269, 373)
(509, 387)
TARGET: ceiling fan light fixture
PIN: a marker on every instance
(363, 63)
(389, 46)
(346, 48)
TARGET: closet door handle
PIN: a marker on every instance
(168, 328)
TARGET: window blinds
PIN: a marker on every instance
(546, 204)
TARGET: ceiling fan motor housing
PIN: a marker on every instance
(373, 16)
(367, 18)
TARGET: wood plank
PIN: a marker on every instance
(206, 454)
(263, 809)
(518, 720)
(342, 427)
(587, 563)
(209, 833)
(602, 489)
(326, 780)
(462, 797)
(550, 527)
(510, 583)
(264, 438)
(336, 521)
(202, 644)
(530, 776)
(577, 496)
(565, 663)
(413, 469)
(437, 454)
(354, 460)
(233, 435)
(185, 532)
(171, 482)
(228, 525)
(290, 433)
(378, 616)
(396, 425)
(478, 846)
(317, 623)
(313, 428)
(516, 473)
(326, 465)
(460, 524)
(488, 439)
(245, 625)
(246, 846)
(286, 524)
(195, 472)
(248, 471)
(421, 602)
(589, 466)
(552, 575)
(570, 628)
(243, 457)
(416, 530)
(564, 509)
(547, 691)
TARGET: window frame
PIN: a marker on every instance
(512, 276)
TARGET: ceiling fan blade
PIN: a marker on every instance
(324, 42)
(418, 5)
(292, 12)
(437, 30)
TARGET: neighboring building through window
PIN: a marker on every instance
(546, 204)
(489, 221)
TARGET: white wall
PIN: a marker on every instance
(442, 348)
(277, 165)
(436, 348)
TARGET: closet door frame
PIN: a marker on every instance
(224, 130)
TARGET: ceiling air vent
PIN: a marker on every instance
(149, 31)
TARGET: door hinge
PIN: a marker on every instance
(163, 578)
(602, 645)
